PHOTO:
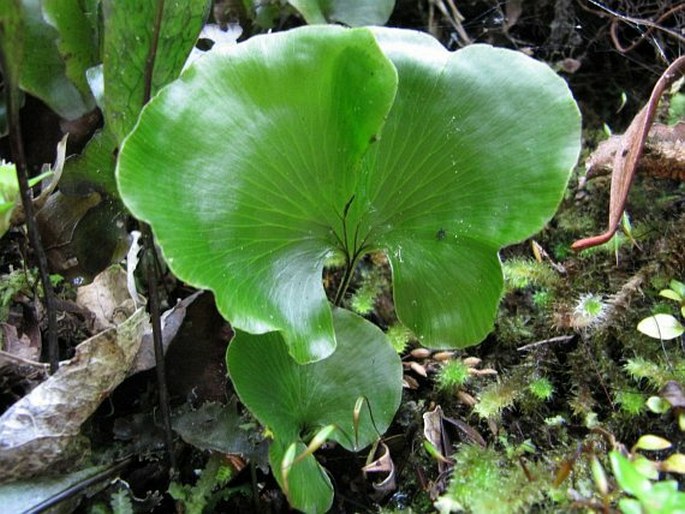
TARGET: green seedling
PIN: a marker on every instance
(647, 496)
(665, 326)
(9, 192)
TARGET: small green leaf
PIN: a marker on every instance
(670, 294)
(647, 468)
(627, 477)
(675, 463)
(354, 13)
(678, 287)
(599, 476)
(630, 506)
(9, 194)
(661, 326)
(658, 405)
(652, 442)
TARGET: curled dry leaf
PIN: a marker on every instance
(383, 464)
(40, 432)
(673, 393)
(434, 433)
(627, 156)
(110, 295)
(49, 184)
(106, 297)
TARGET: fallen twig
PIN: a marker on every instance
(557, 339)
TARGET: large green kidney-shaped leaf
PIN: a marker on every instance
(258, 165)
(475, 155)
(296, 400)
(250, 175)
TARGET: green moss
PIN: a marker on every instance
(486, 482)
(364, 299)
(631, 402)
(452, 376)
(520, 273)
(543, 298)
(656, 374)
(497, 397)
(541, 388)
(399, 336)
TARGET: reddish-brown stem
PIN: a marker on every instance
(628, 155)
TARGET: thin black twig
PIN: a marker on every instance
(151, 268)
(155, 319)
(19, 158)
(80, 487)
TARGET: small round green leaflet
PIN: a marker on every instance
(257, 164)
(296, 401)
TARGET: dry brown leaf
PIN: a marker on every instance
(626, 158)
(106, 296)
(383, 464)
(434, 432)
(41, 432)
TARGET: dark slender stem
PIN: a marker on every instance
(350, 265)
(345, 283)
(79, 487)
(19, 158)
(152, 54)
(151, 276)
(151, 268)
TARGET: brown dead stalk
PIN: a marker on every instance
(626, 159)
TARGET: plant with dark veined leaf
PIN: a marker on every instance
(261, 163)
